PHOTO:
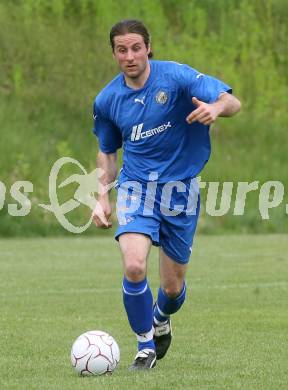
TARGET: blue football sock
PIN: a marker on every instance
(138, 302)
(165, 306)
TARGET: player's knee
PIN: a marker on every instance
(135, 271)
(173, 290)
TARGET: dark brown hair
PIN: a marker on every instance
(129, 26)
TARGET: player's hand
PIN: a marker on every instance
(102, 213)
(204, 113)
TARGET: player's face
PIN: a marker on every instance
(131, 54)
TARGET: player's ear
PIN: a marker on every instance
(148, 49)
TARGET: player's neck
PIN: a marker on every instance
(138, 82)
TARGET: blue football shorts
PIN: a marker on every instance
(167, 213)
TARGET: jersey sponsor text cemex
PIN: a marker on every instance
(137, 132)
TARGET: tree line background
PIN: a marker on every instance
(55, 58)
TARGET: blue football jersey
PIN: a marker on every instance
(150, 123)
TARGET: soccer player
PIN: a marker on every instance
(160, 113)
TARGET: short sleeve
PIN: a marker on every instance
(203, 87)
(109, 136)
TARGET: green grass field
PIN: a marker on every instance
(232, 332)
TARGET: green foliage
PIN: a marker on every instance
(55, 57)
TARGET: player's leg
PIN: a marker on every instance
(172, 285)
(137, 296)
(171, 296)
(176, 240)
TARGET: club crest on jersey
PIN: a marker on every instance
(161, 97)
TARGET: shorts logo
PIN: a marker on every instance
(138, 134)
(161, 97)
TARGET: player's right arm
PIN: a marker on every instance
(109, 139)
(107, 162)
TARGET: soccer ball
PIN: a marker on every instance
(95, 353)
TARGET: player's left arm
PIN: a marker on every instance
(226, 105)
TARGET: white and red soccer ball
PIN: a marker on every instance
(95, 353)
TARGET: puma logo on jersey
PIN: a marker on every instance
(141, 101)
(137, 132)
